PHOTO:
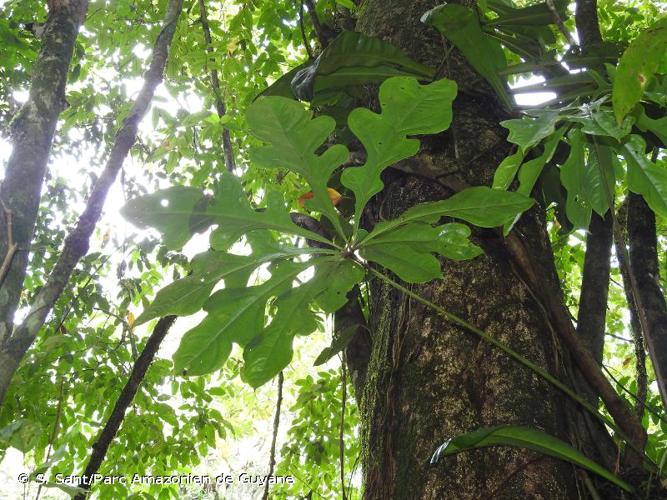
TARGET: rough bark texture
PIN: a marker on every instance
(77, 241)
(595, 285)
(650, 298)
(32, 133)
(428, 380)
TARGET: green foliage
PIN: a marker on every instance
(524, 437)
(407, 109)
(261, 285)
(264, 318)
(294, 138)
(460, 25)
(352, 59)
(312, 448)
(646, 177)
(642, 59)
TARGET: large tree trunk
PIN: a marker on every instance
(428, 380)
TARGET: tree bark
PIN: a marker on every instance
(650, 298)
(32, 132)
(595, 285)
(428, 380)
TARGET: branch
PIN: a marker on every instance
(215, 84)
(12, 246)
(324, 34)
(620, 243)
(341, 439)
(645, 279)
(124, 400)
(306, 44)
(559, 23)
(32, 132)
(558, 316)
(78, 240)
(358, 349)
(276, 424)
(588, 27)
(595, 286)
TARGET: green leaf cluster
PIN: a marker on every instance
(294, 285)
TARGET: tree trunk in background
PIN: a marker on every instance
(428, 380)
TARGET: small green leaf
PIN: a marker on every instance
(461, 27)
(528, 131)
(637, 66)
(506, 171)
(337, 345)
(407, 109)
(454, 242)
(645, 177)
(524, 437)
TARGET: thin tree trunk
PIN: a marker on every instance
(649, 296)
(77, 242)
(595, 286)
(428, 380)
(32, 134)
(227, 148)
(103, 441)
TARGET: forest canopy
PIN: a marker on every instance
(333, 249)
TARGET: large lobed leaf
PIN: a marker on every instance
(293, 137)
(408, 108)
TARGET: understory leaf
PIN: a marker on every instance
(460, 25)
(637, 66)
(524, 437)
(645, 177)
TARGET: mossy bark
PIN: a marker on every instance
(428, 380)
